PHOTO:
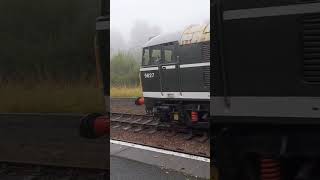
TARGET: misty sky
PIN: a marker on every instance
(169, 15)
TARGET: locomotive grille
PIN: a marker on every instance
(206, 76)
(205, 51)
(311, 48)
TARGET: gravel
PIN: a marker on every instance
(126, 105)
(161, 139)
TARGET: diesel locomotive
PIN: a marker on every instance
(175, 76)
(265, 89)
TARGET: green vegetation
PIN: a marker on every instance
(126, 92)
(124, 74)
(124, 71)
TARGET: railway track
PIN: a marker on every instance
(22, 171)
(151, 125)
(137, 122)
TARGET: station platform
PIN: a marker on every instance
(133, 161)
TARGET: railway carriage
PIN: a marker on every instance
(175, 76)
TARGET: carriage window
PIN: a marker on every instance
(168, 55)
(145, 57)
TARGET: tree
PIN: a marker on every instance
(124, 70)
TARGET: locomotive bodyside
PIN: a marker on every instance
(265, 101)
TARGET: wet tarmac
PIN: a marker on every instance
(125, 169)
(131, 161)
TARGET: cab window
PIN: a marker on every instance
(155, 55)
(145, 57)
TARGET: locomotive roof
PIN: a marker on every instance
(163, 38)
(191, 34)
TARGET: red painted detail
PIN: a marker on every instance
(101, 126)
(194, 116)
(140, 101)
(270, 169)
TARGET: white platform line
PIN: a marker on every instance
(183, 155)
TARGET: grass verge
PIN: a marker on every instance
(127, 92)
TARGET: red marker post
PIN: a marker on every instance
(94, 126)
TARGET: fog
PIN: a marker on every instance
(134, 21)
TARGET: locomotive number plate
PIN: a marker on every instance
(148, 75)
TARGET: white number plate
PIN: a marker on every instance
(148, 75)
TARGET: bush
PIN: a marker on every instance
(124, 70)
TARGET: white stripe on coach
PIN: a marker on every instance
(173, 66)
(177, 95)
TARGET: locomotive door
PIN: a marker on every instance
(169, 70)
